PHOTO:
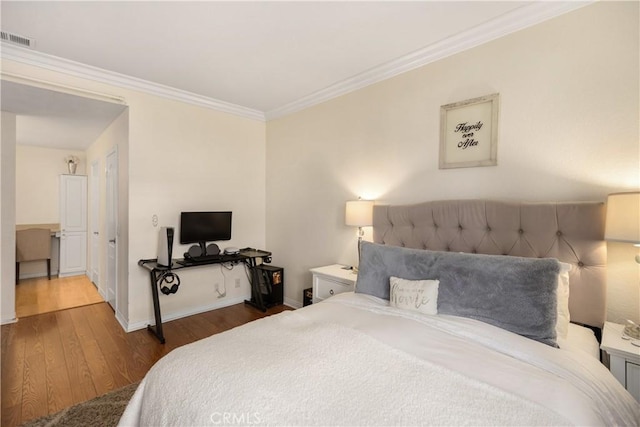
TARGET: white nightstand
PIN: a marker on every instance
(332, 280)
(624, 358)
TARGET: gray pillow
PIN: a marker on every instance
(513, 293)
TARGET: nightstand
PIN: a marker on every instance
(624, 358)
(332, 280)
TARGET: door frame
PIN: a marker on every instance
(94, 232)
(113, 209)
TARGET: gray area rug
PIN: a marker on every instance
(104, 410)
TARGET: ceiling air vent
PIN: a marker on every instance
(16, 39)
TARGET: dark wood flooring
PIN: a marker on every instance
(55, 360)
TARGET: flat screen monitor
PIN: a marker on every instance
(203, 227)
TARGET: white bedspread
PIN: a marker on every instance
(352, 360)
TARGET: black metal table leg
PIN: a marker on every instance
(247, 255)
(157, 329)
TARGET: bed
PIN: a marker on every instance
(460, 316)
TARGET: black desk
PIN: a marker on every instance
(247, 256)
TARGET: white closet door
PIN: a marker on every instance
(73, 253)
(73, 203)
(73, 225)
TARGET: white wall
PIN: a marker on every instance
(180, 157)
(568, 131)
(37, 182)
(7, 218)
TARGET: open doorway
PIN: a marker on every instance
(51, 128)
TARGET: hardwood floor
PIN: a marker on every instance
(39, 295)
(58, 359)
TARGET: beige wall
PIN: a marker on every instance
(37, 182)
(568, 130)
(7, 218)
(184, 158)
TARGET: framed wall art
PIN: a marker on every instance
(469, 133)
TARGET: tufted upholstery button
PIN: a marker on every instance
(580, 264)
(488, 228)
(473, 251)
(520, 231)
(402, 244)
(448, 249)
(559, 233)
(459, 227)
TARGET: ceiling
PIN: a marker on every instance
(52, 119)
(260, 55)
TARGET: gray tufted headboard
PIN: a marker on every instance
(570, 232)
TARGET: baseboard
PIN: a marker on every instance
(292, 303)
(123, 322)
(74, 273)
(36, 275)
(180, 314)
(8, 321)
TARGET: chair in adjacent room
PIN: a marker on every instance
(33, 244)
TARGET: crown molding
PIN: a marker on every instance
(518, 19)
(77, 69)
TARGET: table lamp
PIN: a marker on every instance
(623, 225)
(359, 213)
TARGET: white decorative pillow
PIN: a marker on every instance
(418, 295)
(562, 323)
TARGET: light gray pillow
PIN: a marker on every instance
(513, 293)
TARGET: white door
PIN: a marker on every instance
(73, 225)
(94, 237)
(112, 226)
(73, 253)
(73, 202)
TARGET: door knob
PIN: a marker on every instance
(112, 241)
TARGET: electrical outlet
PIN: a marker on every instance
(237, 283)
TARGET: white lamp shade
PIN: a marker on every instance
(359, 213)
(623, 218)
